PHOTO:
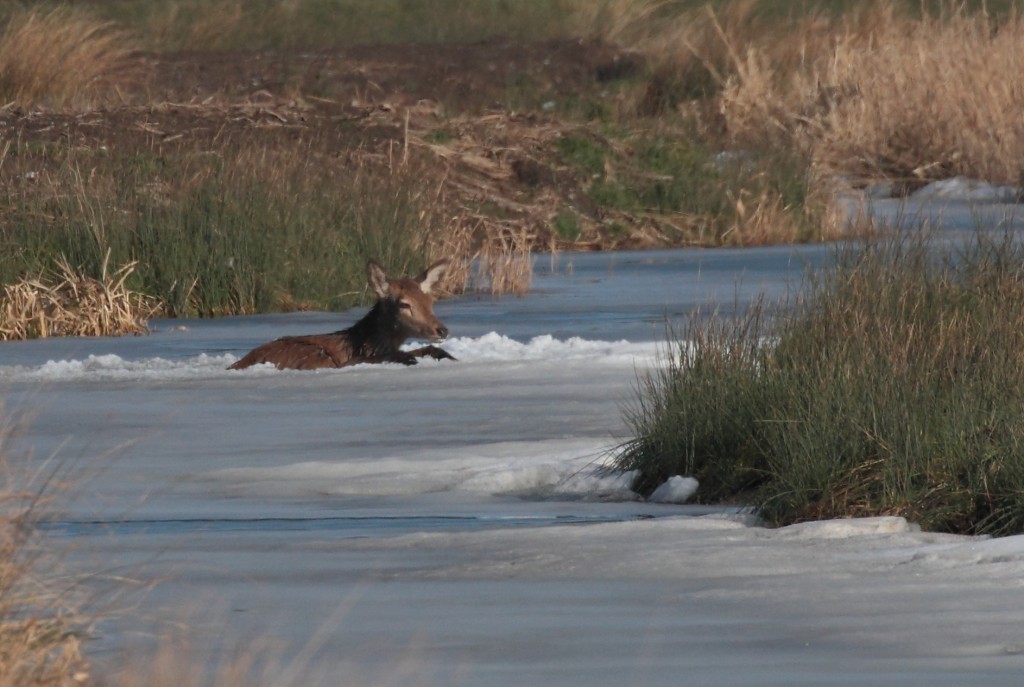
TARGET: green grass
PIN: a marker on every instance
(566, 225)
(250, 230)
(312, 24)
(675, 173)
(894, 386)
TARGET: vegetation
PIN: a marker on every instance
(59, 58)
(723, 123)
(716, 123)
(40, 626)
(252, 229)
(67, 304)
(894, 386)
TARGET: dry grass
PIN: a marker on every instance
(887, 94)
(937, 97)
(879, 89)
(506, 263)
(69, 304)
(58, 58)
(39, 626)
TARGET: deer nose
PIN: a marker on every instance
(442, 332)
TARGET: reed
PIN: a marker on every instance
(61, 57)
(41, 626)
(887, 93)
(252, 228)
(67, 303)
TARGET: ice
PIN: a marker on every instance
(451, 523)
(962, 188)
(957, 206)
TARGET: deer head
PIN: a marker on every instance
(411, 301)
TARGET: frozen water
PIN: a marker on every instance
(449, 523)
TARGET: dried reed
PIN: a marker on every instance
(888, 94)
(58, 58)
(69, 304)
(505, 262)
(39, 626)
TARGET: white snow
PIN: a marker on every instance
(677, 489)
(962, 188)
(958, 205)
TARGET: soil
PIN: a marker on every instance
(487, 114)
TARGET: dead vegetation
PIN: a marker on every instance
(40, 626)
(881, 90)
(673, 123)
(60, 58)
(66, 303)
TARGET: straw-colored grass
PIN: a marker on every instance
(930, 98)
(40, 626)
(66, 303)
(890, 94)
(506, 262)
(888, 88)
(58, 58)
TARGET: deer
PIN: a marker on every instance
(404, 310)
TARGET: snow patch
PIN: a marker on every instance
(559, 469)
(676, 489)
(972, 190)
(847, 528)
(492, 347)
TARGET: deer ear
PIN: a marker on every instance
(432, 275)
(377, 278)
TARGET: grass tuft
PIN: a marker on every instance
(893, 387)
(67, 303)
(58, 58)
(40, 628)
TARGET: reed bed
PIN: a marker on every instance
(885, 93)
(67, 303)
(249, 228)
(908, 91)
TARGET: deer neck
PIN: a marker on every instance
(379, 332)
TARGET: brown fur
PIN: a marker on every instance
(404, 309)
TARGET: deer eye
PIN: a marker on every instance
(402, 305)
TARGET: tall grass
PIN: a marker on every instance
(40, 626)
(894, 386)
(58, 58)
(251, 228)
(313, 24)
(886, 93)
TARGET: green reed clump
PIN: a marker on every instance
(250, 230)
(895, 385)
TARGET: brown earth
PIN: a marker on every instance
(486, 117)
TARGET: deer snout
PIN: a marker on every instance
(441, 332)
